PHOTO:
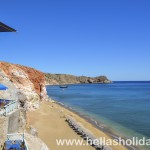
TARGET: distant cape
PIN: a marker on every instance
(52, 79)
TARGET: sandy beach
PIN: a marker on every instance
(50, 123)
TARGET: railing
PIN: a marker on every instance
(17, 137)
(9, 107)
(2, 112)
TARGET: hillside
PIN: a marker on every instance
(25, 84)
(52, 79)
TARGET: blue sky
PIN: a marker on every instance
(80, 37)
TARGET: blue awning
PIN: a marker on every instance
(2, 87)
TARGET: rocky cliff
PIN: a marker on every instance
(25, 84)
(52, 79)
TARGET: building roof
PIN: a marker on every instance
(5, 28)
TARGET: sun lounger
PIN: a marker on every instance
(84, 133)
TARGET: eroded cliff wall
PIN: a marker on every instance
(25, 84)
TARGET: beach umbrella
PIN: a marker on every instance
(5, 28)
(2, 87)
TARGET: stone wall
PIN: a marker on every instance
(13, 122)
(3, 129)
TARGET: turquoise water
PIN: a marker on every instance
(123, 107)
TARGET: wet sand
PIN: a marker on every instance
(50, 123)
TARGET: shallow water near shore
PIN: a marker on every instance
(123, 107)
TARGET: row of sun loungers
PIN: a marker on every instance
(84, 133)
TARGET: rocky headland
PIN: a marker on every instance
(52, 79)
(28, 85)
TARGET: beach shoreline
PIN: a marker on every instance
(52, 108)
(96, 124)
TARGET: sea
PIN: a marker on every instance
(122, 107)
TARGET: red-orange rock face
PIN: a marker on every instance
(36, 77)
(28, 81)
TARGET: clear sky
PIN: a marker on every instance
(80, 37)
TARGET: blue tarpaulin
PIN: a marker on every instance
(15, 145)
(2, 87)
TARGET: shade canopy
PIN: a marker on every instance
(5, 28)
(2, 87)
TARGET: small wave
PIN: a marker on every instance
(71, 108)
(61, 103)
(114, 136)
